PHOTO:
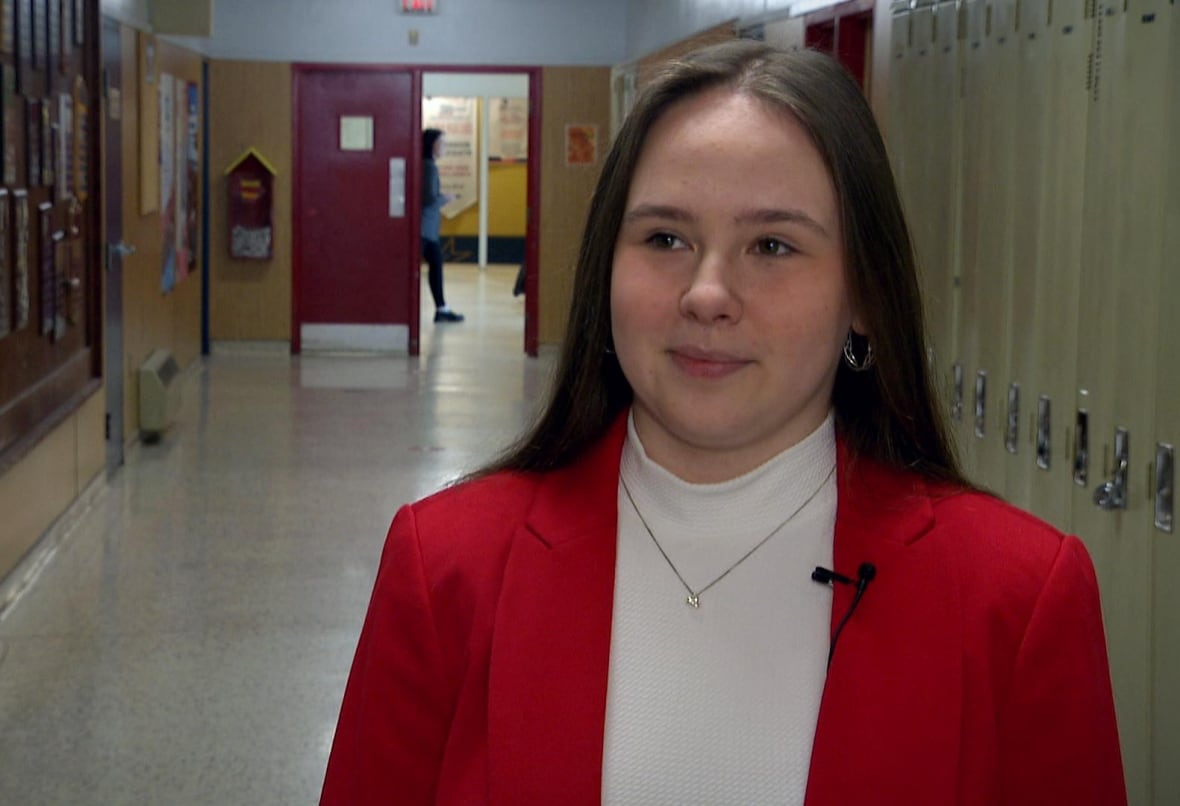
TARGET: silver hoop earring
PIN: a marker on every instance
(855, 364)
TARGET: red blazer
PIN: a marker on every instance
(974, 671)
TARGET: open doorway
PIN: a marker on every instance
(489, 167)
(356, 280)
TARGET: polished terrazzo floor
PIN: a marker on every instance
(190, 640)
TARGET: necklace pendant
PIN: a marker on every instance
(694, 601)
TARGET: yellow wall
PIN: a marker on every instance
(507, 202)
(250, 105)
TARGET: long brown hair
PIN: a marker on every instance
(889, 413)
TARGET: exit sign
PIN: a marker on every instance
(418, 7)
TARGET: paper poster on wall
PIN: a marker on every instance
(458, 166)
(184, 177)
(165, 86)
(149, 127)
(508, 129)
(581, 144)
(192, 166)
(180, 176)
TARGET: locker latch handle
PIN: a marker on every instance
(1112, 494)
(1044, 433)
(1165, 489)
(981, 403)
(957, 393)
(1081, 449)
(1012, 431)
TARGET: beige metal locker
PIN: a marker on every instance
(994, 257)
(1131, 112)
(939, 255)
(1165, 733)
(973, 211)
(898, 134)
(1068, 37)
(1030, 144)
(920, 104)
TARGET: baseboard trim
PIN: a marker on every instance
(357, 338)
(25, 573)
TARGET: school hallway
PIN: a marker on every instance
(189, 640)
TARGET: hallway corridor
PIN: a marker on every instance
(190, 640)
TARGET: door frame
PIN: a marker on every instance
(298, 70)
(414, 184)
(110, 260)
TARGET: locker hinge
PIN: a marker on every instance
(107, 427)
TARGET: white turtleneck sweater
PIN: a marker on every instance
(718, 705)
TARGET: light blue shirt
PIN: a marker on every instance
(432, 201)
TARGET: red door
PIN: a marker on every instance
(356, 257)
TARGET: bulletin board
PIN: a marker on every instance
(50, 315)
(149, 127)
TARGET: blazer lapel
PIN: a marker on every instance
(551, 646)
(889, 720)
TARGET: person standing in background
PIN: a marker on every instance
(433, 200)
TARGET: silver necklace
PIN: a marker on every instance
(694, 597)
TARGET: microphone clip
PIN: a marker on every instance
(826, 576)
(865, 574)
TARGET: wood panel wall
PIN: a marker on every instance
(250, 106)
(151, 319)
(569, 95)
(43, 484)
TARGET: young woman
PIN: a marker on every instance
(433, 200)
(734, 561)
